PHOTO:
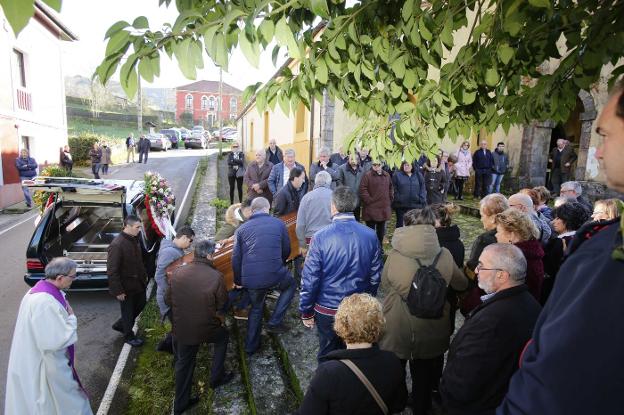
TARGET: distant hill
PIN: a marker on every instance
(161, 99)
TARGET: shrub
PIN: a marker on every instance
(81, 144)
(40, 198)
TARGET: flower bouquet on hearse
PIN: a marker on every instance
(159, 203)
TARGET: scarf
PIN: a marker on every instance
(44, 286)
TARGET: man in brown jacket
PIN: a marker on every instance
(256, 177)
(127, 278)
(561, 158)
(197, 291)
(376, 194)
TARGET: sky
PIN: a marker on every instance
(90, 19)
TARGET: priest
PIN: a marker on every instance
(41, 378)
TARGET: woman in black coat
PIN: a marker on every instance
(435, 181)
(409, 191)
(449, 238)
(236, 172)
(335, 389)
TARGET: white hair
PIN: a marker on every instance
(510, 258)
(289, 152)
(324, 152)
(260, 204)
(571, 185)
(322, 178)
(523, 199)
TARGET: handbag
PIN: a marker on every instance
(366, 382)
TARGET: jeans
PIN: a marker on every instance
(104, 168)
(131, 307)
(238, 181)
(95, 169)
(257, 296)
(425, 374)
(496, 182)
(238, 299)
(482, 183)
(328, 339)
(26, 190)
(379, 228)
(185, 366)
(143, 156)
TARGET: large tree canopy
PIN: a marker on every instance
(421, 69)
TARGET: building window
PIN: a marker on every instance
(232, 116)
(20, 68)
(233, 105)
(204, 102)
(211, 103)
(189, 102)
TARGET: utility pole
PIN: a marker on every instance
(139, 108)
(220, 109)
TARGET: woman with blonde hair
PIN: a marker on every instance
(226, 231)
(605, 209)
(516, 227)
(336, 387)
(489, 207)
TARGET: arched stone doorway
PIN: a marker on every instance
(536, 139)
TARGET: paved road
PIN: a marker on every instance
(98, 346)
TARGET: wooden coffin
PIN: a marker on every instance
(223, 255)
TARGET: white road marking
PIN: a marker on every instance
(18, 223)
(115, 378)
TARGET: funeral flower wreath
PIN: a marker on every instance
(159, 201)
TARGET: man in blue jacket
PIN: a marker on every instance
(482, 163)
(344, 258)
(27, 168)
(281, 172)
(573, 364)
(261, 249)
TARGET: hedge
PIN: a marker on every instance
(81, 144)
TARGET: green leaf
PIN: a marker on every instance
(398, 67)
(284, 103)
(505, 53)
(186, 62)
(333, 52)
(117, 42)
(232, 16)
(221, 50)
(543, 4)
(446, 36)
(353, 33)
(140, 23)
(395, 90)
(410, 79)
(267, 30)
(415, 37)
(285, 37)
(18, 13)
(128, 77)
(122, 24)
(333, 66)
(491, 77)
(55, 4)
(319, 7)
(408, 10)
(250, 49)
(341, 43)
(468, 97)
(321, 72)
(146, 69)
(424, 31)
(404, 107)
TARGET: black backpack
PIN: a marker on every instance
(427, 293)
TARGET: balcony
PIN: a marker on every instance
(24, 100)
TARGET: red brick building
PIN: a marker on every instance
(200, 100)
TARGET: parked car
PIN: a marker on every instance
(196, 140)
(174, 135)
(83, 219)
(159, 141)
(185, 133)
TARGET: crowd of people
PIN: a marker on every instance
(540, 291)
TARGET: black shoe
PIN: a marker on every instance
(279, 329)
(117, 327)
(226, 378)
(136, 342)
(191, 404)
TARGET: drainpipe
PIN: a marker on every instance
(311, 130)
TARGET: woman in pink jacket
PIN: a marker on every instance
(462, 168)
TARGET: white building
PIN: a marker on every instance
(32, 95)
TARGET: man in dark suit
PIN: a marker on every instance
(561, 159)
(484, 354)
(482, 163)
